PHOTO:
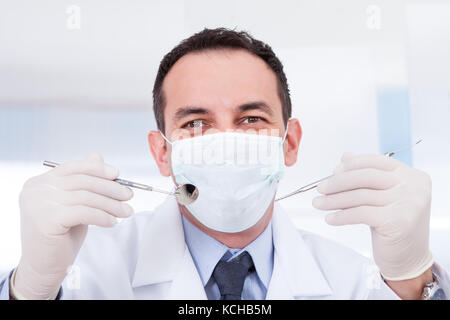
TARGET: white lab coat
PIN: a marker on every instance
(146, 257)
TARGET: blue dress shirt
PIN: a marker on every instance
(4, 285)
(207, 251)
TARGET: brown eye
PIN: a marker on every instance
(252, 119)
(194, 124)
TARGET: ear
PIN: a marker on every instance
(159, 151)
(292, 142)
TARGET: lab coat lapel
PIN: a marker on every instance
(296, 274)
(186, 283)
(164, 256)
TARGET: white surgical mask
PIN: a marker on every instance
(236, 175)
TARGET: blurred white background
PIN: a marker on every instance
(365, 76)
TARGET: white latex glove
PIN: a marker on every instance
(56, 209)
(393, 199)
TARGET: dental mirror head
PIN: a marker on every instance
(186, 194)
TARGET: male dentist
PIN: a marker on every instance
(222, 88)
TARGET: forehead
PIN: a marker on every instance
(220, 78)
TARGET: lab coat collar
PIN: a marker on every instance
(296, 273)
(163, 257)
(198, 243)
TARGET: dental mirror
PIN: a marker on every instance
(184, 194)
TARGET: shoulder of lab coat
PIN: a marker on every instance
(318, 262)
(146, 257)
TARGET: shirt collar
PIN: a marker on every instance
(199, 243)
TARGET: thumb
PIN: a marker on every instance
(344, 157)
(347, 155)
(95, 156)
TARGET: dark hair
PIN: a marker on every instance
(220, 38)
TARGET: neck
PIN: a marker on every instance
(236, 240)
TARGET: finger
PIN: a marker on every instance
(368, 215)
(88, 166)
(93, 200)
(362, 178)
(353, 198)
(76, 215)
(97, 185)
(376, 161)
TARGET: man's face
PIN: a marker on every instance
(220, 90)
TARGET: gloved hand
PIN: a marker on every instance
(393, 199)
(56, 209)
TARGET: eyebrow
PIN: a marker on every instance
(189, 110)
(257, 105)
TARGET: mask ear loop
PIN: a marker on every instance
(285, 131)
(165, 138)
(282, 142)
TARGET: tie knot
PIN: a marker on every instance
(230, 276)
